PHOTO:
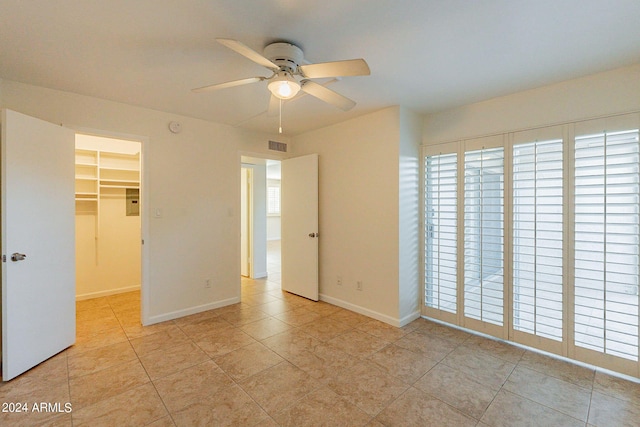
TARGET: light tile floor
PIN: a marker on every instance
(280, 360)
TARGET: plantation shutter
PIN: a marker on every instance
(607, 242)
(484, 235)
(538, 238)
(441, 180)
(273, 199)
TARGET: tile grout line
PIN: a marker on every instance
(409, 385)
(148, 376)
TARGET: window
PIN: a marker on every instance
(483, 234)
(534, 236)
(537, 238)
(607, 242)
(273, 197)
(441, 196)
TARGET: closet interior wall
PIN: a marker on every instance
(108, 251)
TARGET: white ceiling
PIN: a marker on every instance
(427, 55)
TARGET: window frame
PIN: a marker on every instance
(567, 132)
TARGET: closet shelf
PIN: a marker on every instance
(108, 168)
(99, 171)
(119, 180)
(119, 186)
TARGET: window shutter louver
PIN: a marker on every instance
(483, 234)
(607, 243)
(538, 238)
(441, 231)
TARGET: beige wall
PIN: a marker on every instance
(110, 264)
(359, 172)
(193, 177)
(612, 92)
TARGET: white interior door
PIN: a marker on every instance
(299, 205)
(38, 214)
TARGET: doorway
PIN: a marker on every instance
(260, 219)
(274, 221)
(108, 221)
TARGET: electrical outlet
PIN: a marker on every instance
(339, 280)
(359, 285)
(207, 283)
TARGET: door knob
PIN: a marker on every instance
(17, 256)
(314, 234)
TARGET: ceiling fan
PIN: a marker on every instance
(286, 62)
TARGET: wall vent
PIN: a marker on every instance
(278, 146)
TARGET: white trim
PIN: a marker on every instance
(192, 310)
(409, 318)
(370, 313)
(107, 292)
(260, 275)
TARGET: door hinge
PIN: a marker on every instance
(143, 241)
(4, 258)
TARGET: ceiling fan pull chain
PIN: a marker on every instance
(280, 127)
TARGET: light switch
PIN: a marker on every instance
(157, 213)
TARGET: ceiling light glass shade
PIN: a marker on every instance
(284, 86)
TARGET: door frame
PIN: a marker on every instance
(144, 200)
(244, 160)
(247, 211)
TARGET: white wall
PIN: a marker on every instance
(274, 226)
(359, 196)
(612, 92)
(259, 221)
(409, 216)
(193, 177)
(274, 229)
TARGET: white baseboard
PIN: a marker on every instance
(260, 275)
(106, 293)
(188, 311)
(370, 313)
(410, 318)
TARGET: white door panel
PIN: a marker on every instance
(38, 220)
(299, 199)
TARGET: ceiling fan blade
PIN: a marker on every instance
(228, 84)
(350, 67)
(249, 53)
(327, 95)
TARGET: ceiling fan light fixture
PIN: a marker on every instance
(284, 86)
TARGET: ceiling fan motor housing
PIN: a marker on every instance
(285, 55)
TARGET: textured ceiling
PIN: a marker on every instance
(427, 55)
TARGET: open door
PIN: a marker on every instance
(38, 245)
(299, 201)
